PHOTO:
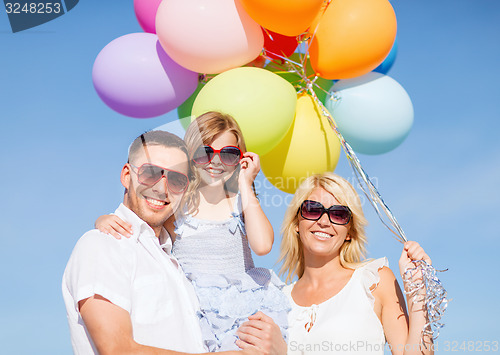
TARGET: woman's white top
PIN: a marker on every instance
(343, 324)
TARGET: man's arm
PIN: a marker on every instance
(110, 328)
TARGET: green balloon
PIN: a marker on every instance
(289, 72)
(260, 101)
(184, 110)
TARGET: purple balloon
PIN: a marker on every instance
(135, 77)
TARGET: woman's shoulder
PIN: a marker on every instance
(374, 265)
(287, 289)
(384, 284)
(373, 272)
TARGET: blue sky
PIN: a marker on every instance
(67, 148)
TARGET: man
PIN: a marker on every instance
(130, 296)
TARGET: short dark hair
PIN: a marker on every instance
(163, 138)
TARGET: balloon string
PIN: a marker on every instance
(435, 298)
(287, 65)
(364, 181)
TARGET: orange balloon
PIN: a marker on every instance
(319, 16)
(352, 38)
(286, 17)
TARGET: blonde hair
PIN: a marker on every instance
(203, 131)
(352, 252)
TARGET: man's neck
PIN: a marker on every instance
(156, 230)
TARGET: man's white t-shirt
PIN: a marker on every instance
(140, 276)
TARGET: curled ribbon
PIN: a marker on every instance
(435, 297)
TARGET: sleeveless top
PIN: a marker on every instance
(216, 257)
(213, 247)
(343, 324)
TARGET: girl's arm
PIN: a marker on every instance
(117, 227)
(114, 225)
(403, 330)
(260, 233)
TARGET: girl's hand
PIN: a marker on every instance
(412, 251)
(114, 225)
(250, 167)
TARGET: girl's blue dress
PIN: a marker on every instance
(217, 259)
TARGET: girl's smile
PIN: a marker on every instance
(215, 171)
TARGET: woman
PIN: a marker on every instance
(342, 303)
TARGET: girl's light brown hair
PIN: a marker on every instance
(203, 131)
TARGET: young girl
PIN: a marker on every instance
(222, 219)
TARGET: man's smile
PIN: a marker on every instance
(154, 203)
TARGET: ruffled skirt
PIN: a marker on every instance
(226, 301)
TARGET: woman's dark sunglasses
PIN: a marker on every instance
(313, 210)
(150, 174)
(229, 155)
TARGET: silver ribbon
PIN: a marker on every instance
(435, 296)
(431, 292)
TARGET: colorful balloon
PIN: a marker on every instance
(288, 71)
(258, 62)
(135, 77)
(208, 36)
(184, 109)
(374, 112)
(277, 46)
(287, 17)
(352, 38)
(319, 16)
(389, 60)
(145, 11)
(262, 103)
(309, 147)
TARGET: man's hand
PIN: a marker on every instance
(261, 331)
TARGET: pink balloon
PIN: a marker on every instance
(145, 11)
(135, 77)
(208, 36)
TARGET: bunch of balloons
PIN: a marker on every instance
(275, 66)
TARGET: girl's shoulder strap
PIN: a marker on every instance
(238, 206)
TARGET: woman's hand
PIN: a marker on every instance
(250, 167)
(114, 225)
(412, 251)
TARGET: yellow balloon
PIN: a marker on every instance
(310, 147)
(261, 102)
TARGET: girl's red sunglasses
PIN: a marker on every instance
(229, 155)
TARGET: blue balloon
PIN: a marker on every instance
(389, 60)
(373, 112)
